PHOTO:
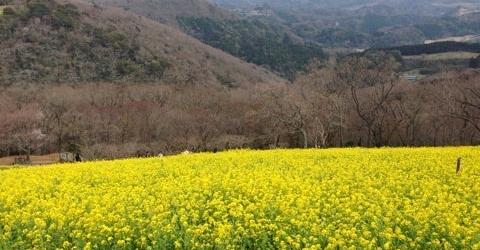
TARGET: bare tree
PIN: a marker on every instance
(469, 110)
(370, 83)
(289, 110)
(20, 129)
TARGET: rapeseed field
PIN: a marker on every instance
(279, 199)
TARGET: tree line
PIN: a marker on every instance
(358, 101)
(435, 48)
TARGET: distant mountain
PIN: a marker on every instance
(370, 23)
(72, 41)
(412, 6)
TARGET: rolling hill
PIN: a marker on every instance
(73, 41)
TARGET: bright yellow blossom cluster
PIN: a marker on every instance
(280, 199)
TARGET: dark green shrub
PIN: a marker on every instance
(8, 11)
(107, 38)
(126, 67)
(117, 40)
(65, 16)
(37, 10)
(157, 68)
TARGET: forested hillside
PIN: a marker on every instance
(167, 11)
(261, 42)
(255, 41)
(49, 42)
(71, 41)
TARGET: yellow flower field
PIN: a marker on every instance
(280, 199)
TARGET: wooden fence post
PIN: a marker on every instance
(459, 165)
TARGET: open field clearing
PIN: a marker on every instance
(280, 199)
(467, 38)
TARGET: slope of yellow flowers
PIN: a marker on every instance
(280, 199)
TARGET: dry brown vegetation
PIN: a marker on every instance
(357, 102)
(207, 100)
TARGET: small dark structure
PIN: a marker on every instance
(459, 166)
(78, 158)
